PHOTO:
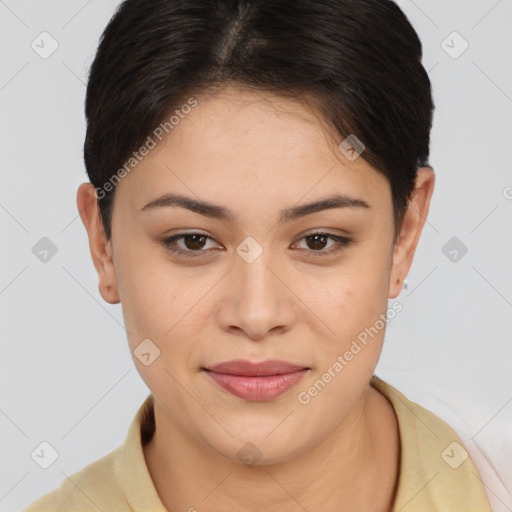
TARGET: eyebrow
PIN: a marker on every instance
(287, 215)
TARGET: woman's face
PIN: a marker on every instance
(259, 289)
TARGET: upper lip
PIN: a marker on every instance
(244, 367)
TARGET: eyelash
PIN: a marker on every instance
(341, 243)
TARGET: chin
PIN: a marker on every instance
(259, 450)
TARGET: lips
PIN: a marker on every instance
(249, 369)
(256, 381)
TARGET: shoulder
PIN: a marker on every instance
(93, 488)
(436, 471)
(118, 482)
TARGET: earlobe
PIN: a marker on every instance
(413, 223)
(99, 246)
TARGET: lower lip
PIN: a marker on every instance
(257, 388)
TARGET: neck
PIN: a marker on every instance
(356, 466)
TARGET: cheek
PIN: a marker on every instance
(351, 303)
(149, 301)
(163, 302)
(155, 308)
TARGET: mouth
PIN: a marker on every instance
(258, 381)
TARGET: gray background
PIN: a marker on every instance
(66, 373)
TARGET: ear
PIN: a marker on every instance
(414, 220)
(101, 249)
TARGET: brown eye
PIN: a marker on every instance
(193, 243)
(316, 243)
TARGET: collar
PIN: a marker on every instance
(436, 473)
(432, 476)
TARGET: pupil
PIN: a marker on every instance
(195, 237)
(316, 239)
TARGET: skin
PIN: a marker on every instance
(255, 154)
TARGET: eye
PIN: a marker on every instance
(318, 240)
(195, 244)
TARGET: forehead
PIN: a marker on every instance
(253, 147)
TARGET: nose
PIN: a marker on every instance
(257, 299)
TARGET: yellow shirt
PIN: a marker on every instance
(436, 474)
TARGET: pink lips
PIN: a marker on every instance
(256, 381)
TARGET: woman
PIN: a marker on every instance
(259, 181)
